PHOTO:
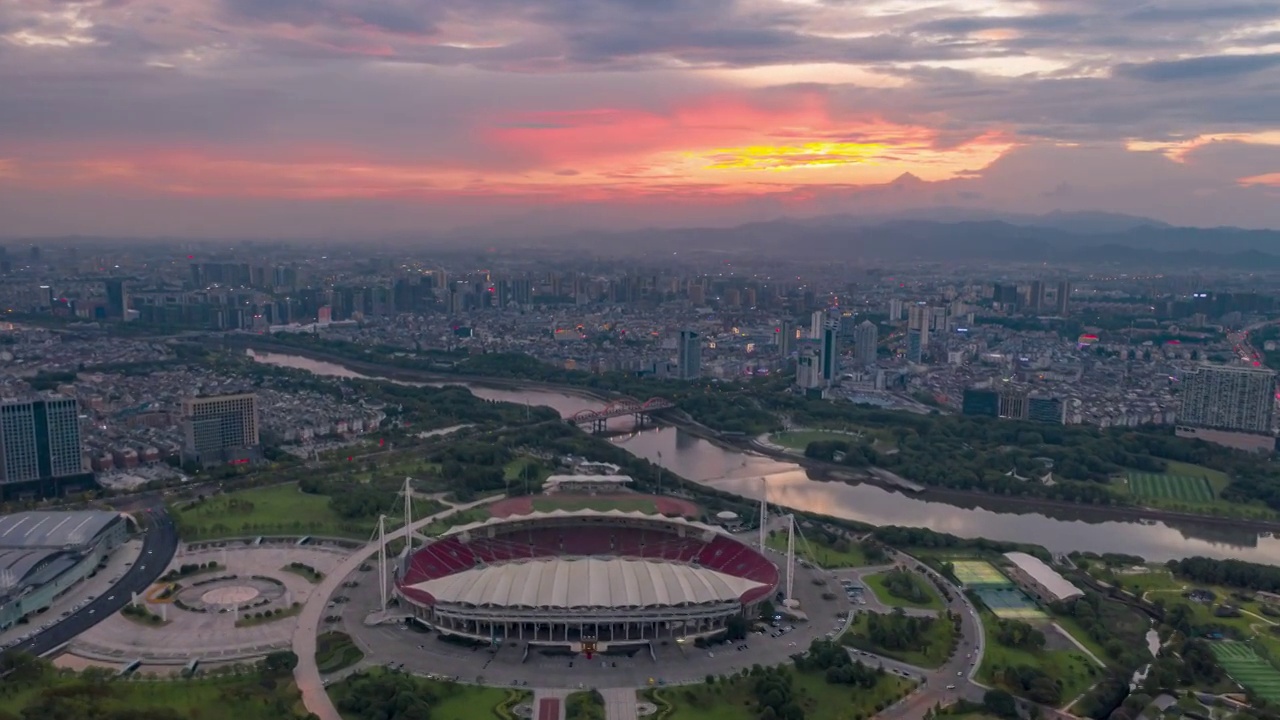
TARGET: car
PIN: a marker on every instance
(951, 687)
(110, 598)
(959, 673)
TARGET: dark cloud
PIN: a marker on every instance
(1204, 12)
(392, 16)
(1214, 67)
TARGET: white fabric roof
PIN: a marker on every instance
(471, 527)
(555, 480)
(587, 582)
(1048, 578)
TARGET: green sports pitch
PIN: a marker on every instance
(1247, 668)
(1183, 488)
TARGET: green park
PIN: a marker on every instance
(903, 588)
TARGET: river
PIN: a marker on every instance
(789, 485)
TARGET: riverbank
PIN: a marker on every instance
(819, 470)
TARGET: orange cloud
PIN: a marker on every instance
(715, 148)
(1267, 179)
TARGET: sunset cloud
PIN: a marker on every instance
(616, 103)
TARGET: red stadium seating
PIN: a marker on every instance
(567, 538)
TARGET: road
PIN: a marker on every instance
(307, 674)
(158, 546)
(958, 672)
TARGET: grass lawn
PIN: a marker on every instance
(469, 702)
(1247, 668)
(471, 515)
(543, 503)
(800, 439)
(335, 651)
(1073, 670)
(819, 553)
(273, 510)
(512, 470)
(877, 584)
(242, 698)
(733, 699)
(940, 638)
(1189, 488)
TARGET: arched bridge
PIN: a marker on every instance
(599, 419)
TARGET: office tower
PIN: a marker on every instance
(895, 310)
(980, 402)
(697, 296)
(221, 429)
(1064, 297)
(915, 345)
(117, 299)
(1224, 397)
(1013, 405)
(1035, 298)
(689, 359)
(1046, 410)
(829, 352)
(919, 318)
(817, 322)
(40, 440)
(809, 370)
(1005, 294)
(786, 338)
(865, 338)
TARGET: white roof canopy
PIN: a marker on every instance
(636, 514)
(587, 583)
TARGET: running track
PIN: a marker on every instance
(549, 709)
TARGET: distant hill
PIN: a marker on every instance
(1065, 237)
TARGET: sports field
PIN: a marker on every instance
(979, 574)
(1247, 668)
(1182, 488)
(1010, 603)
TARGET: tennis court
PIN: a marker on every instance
(1009, 603)
(974, 574)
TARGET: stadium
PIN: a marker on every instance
(42, 554)
(584, 579)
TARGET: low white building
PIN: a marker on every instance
(1039, 580)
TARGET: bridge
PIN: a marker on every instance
(641, 411)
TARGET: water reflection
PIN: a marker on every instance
(789, 485)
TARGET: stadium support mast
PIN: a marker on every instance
(764, 511)
(382, 560)
(791, 557)
(408, 517)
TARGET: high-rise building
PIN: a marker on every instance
(1005, 294)
(895, 310)
(1064, 298)
(786, 338)
(221, 429)
(829, 351)
(1227, 397)
(915, 345)
(809, 370)
(117, 299)
(817, 321)
(981, 402)
(1035, 296)
(40, 444)
(1046, 410)
(865, 339)
(689, 358)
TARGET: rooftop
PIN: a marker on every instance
(28, 530)
(587, 583)
(1047, 577)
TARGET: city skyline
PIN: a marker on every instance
(241, 118)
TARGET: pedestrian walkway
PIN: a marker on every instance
(549, 704)
(620, 704)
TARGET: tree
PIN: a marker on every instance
(1000, 703)
(281, 662)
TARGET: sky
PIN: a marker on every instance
(298, 118)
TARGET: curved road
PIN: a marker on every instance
(306, 675)
(158, 546)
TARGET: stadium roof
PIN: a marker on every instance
(587, 583)
(557, 480)
(53, 529)
(539, 515)
(1048, 578)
